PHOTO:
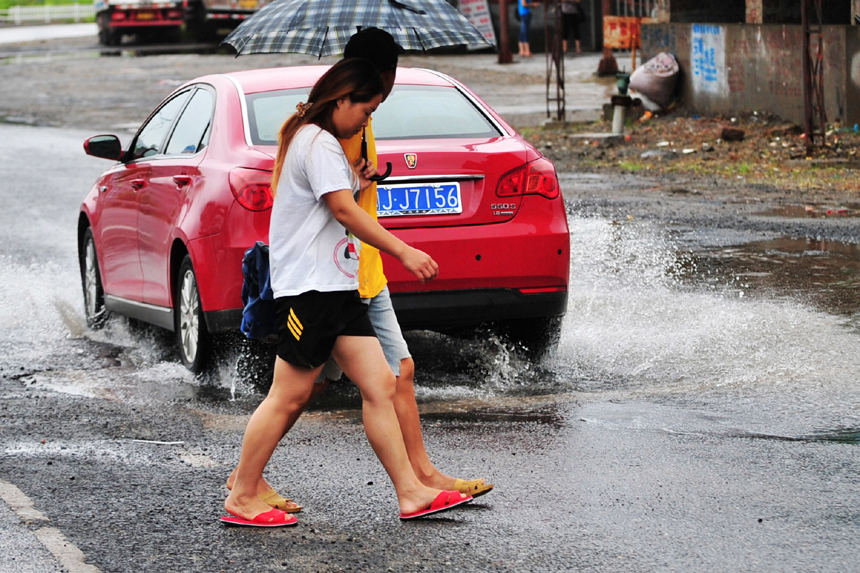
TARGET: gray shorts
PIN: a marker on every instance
(384, 321)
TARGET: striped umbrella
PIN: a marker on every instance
(323, 27)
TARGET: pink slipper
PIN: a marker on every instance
(271, 518)
(444, 501)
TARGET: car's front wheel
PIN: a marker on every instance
(192, 337)
(91, 280)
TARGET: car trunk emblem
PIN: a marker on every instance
(411, 160)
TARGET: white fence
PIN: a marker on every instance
(21, 14)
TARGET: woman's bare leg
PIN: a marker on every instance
(263, 486)
(290, 392)
(410, 427)
(362, 360)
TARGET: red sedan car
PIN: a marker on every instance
(162, 233)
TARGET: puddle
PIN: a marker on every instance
(840, 436)
(811, 211)
(543, 417)
(821, 272)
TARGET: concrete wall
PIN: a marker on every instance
(755, 11)
(731, 68)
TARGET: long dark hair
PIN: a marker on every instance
(355, 78)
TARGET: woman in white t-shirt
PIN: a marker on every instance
(315, 235)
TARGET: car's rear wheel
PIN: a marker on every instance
(192, 337)
(91, 280)
(536, 337)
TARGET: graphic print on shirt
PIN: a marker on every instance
(348, 249)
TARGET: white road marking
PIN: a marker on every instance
(18, 501)
(52, 538)
(66, 553)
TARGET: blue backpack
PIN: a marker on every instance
(259, 319)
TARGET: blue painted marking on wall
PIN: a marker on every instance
(704, 54)
(708, 59)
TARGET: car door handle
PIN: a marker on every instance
(138, 183)
(182, 180)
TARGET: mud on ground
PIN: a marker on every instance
(688, 153)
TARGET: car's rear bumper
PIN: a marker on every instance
(442, 310)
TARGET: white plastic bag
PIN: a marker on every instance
(657, 79)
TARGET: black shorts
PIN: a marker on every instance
(309, 324)
(570, 25)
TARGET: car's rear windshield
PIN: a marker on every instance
(410, 112)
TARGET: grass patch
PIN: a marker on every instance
(6, 4)
(630, 165)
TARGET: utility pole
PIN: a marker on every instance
(505, 56)
(813, 77)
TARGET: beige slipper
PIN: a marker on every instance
(277, 501)
(474, 487)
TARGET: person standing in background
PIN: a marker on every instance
(572, 16)
(524, 9)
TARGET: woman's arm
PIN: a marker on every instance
(347, 212)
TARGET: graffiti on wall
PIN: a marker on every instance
(708, 59)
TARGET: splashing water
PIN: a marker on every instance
(634, 329)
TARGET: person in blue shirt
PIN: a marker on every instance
(524, 8)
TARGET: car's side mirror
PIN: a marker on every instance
(104, 146)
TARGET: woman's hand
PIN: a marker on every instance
(365, 169)
(419, 264)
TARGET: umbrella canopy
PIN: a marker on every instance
(323, 27)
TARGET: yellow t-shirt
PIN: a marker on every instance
(371, 279)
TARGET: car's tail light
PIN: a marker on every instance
(535, 178)
(117, 16)
(252, 188)
(174, 14)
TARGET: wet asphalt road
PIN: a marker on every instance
(677, 429)
(700, 415)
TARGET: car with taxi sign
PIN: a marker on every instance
(162, 232)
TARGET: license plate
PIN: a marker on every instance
(146, 15)
(248, 4)
(429, 199)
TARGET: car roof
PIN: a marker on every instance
(268, 79)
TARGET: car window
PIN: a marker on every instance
(150, 138)
(409, 112)
(430, 112)
(268, 111)
(192, 129)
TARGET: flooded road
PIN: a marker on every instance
(702, 411)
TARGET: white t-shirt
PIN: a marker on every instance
(308, 248)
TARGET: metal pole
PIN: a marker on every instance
(505, 56)
(554, 58)
(807, 78)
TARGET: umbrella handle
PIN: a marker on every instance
(364, 156)
(384, 175)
